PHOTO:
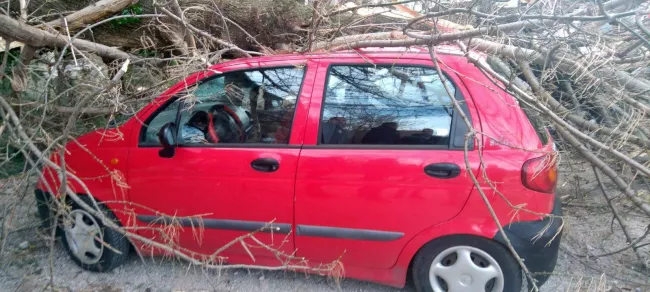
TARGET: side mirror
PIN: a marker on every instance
(167, 138)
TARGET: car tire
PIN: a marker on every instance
(80, 234)
(468, 262)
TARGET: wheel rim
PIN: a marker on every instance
(84, 237)
(465, 268)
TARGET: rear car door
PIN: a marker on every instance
(382, 160)
(240, 181)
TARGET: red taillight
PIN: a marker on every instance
(540, 174)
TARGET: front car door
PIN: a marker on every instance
(382, 160)
(239, 136)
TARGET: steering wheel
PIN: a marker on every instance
(212, 133)
(231, 116)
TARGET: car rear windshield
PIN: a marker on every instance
(537, 122)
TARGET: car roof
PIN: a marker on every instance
(419, 52)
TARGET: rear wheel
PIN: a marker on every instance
(465, 263)
(89, 243)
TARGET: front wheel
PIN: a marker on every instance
(89, 243)
(465, 263)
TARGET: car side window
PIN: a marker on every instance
(166, 115)
(385, 105)
(255, 106)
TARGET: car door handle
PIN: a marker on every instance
(265, 164)
(442, 170)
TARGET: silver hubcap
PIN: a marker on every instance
(84, 237)
(465, 268)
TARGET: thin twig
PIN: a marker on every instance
(621, 222)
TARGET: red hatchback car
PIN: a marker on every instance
(354, 155)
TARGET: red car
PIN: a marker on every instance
(355, 155)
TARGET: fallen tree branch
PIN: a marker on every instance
(355, 8)
(571, 139)
(178, 33)
(88, 15)
(35, 37)
(85, 110)
(606, 169)
(565, 64)
(209, 36)
(424, 39)
(631, 244)
(516, 17)
(5, 57)
(639, 23)
(530, 78)
(621, 222)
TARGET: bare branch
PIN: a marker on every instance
(207, 35)
(11, 28)
(89, 15)
(621, 222)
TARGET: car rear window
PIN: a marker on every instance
(538, 123)
(501, 67)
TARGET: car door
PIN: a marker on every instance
(382, 160)
(237, 183)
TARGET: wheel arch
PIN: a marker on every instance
(508, 273)
(44, 203)
(110, 207)
(459, 226)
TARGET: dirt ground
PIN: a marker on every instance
(27, 263)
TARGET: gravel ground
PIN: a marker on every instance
(27, 268)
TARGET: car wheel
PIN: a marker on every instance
(465, 263)
(89, 243)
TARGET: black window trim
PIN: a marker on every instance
(530, 114)
(456, 125)
(176, 96)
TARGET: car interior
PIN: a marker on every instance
(241, 107)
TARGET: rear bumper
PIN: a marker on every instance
(536, 242)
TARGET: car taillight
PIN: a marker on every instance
(540, 174)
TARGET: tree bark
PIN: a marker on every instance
(38, 38)
(89, 15)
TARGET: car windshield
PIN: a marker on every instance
(273, 82)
